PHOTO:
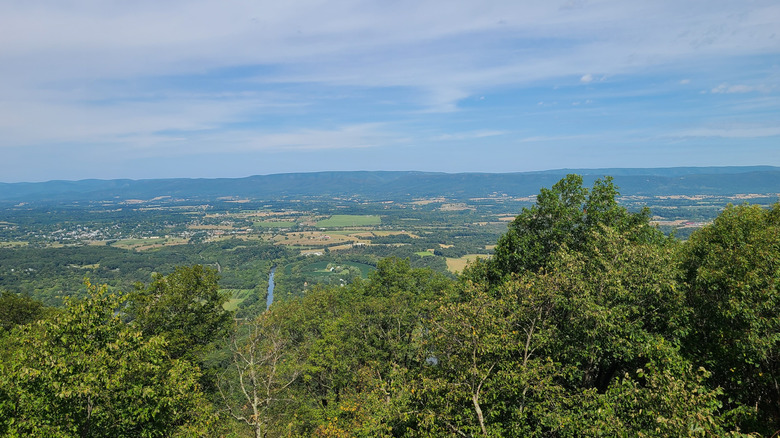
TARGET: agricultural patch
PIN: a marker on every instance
(274, 224)
(12, 244)
(323, 269)
(458, 264)
(349, 220)
(150, 243)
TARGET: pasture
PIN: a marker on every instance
(349, 220)
(274, 224)
(458, 264)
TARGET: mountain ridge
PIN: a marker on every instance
(401, 184)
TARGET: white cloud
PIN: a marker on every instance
(30, 122)
(725, 88)
(468, 135)
(100, 71)
(345, 39)
(553, 138)
(730, 132)
(344, 137)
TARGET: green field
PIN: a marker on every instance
(274, 224)
(320, 269)
(458, 264)
(12, 244)
(425, 254)
(237, 296)
(349, 220)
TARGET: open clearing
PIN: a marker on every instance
(151, 243)
(311, 238)
(458, 264)
(349, 220)
(236, 297)
(274, 224)
(320, 269)
(210, 227)
(12, 244)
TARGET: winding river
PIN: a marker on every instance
(270, 297)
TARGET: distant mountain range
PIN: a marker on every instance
(400, 185)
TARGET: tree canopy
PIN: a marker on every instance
(85, 373)
(586, 322)
(567, 216)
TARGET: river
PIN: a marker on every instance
(270, 298)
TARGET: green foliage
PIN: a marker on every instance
(264, 364)
(564, 216)
(353, 348)
(560, 352)
(347, 220)
(732, 273)
(19, 310)
(85, 373)
(186, 307)
(587, 322)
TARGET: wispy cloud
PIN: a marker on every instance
(730, 132)
(308, 75)
(725, 88)
(554, 138)
(468, 135)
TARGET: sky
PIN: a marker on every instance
(231, 88)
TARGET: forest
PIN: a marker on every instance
(586, 321)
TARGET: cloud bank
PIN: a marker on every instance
(236, 75)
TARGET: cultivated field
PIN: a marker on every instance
(349, 220)
(458, 264)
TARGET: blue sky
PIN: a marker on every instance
(229, 88)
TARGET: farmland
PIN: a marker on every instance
(347, 220)
(122, 241)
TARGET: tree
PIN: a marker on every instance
(354, 347)
(483, 376)
(186, 307)
(731, 270)
(264, 365)
(18, 310)
(587, 346)
(86, 373)
(564, 216)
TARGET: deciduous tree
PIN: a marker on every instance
(732, 275)
(186, 307)
(83, 372)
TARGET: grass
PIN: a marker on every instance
(424, 254)
(151, 243)
(238, 295)
(320, 269)
(12, 244)
(232, 304)
(458, 264)
(315, 239)
(274, 224)
(349, 220)
(92, 266)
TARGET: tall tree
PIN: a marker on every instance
(264, 364)
(186, 307)
(732, 274)
(18, 310)
(565, 216)
(581, 346)
(86, 373)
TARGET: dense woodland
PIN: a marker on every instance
(587, 321)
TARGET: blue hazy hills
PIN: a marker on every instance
(401, 185)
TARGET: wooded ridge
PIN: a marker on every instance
(402, 185)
